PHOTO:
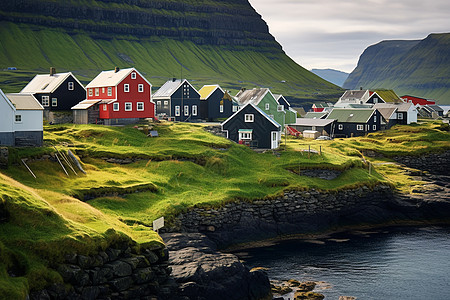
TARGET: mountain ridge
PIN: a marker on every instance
(416, 67)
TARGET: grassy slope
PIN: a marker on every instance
(421, 70)
(184, 167)
(158, 58)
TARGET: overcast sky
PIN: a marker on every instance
(334, 33)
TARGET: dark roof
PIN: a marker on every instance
(351, 115)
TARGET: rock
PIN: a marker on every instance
(120, 268)
(347, 298)
(308, 296)
(205, 273)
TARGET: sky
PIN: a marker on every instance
(333, 34)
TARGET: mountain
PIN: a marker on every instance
(206, 41)
(334, 76)
(420, 68)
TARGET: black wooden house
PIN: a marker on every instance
(177, 100)
(253, 127)
(56, 91)
(215, 103)
(355, 121)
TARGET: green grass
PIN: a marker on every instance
(158, 58)
(184, 167)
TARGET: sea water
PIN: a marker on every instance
(394, 263)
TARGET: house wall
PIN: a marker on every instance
(262, 127)
(214, 102)
(7, 138)
(66, 98)
(6, 115)
(80, 116)
(278, 116)
(189, 98)
(412, 115)
(32, 120)
(28, 138)
(161, 108)
(291, 116)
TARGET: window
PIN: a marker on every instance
(140, 106)
(90, 92)
(18, 119)
(375, 100)
(109, 91)
(140, 88)
(96, 91)
(116, 106)
(177, 110)
(128, 106)
(70, 86)
(103, 90)
(158, 103)
(341, 127)
(248, 118)
(105, 107)
(245, 135)
(186, 110)
(194, 110)
(374, 118)
(54, 102)
(133, 75)
(45, 101)
(166, 103)
(267, 106)
(280, 107)
(359, 127)
(374, 127)
(235, 108)
(400, 116)
(221, 108)
(126, 88)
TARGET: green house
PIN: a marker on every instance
(265, 100)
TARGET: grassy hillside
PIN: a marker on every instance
(419, 68)
(186, 166)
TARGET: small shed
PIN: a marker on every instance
(311, 134)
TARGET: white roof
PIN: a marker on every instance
(44, 83)
(85, 104)
(24, 101)
(168, 88)
(112, 78)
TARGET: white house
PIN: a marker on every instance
(21, 120)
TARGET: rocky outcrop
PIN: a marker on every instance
(307, 212)
(204, 273)
(434, 163)
(116, 273)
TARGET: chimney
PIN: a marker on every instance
(116, 69)
(360, 88)
(52, 71)
(174, 79)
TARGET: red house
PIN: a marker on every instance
(116, 97)
(417, 100)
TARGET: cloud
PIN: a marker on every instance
(325, 33)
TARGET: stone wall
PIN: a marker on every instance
(294, 212)
(4, 156)
(434, 163)
(116, 273)
(58, 117)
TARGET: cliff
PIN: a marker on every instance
(209, 41)
(419, 68)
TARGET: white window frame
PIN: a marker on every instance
(103, 90)
(109, 91)
(128, 106)
(177, 110)
(18, 119)
(267, 106)
(116, 106)
(280, 107)
(359, 127)
(105, 107)
(54, 102)
(166, 103)
(221, 108)
(374, 127)
(97, 91)
(126, 88)
(140, 88)
(140, 106)
(245, 136)
(133, 75)
(46, 101)
(375, 118)
(249, 118)
(70, 86)
(90, 92)
(400, 116)
(235, 108)
(341, 127)
(186, 110)
(194, 110)
(375, 100)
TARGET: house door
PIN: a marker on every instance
(274, 140)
